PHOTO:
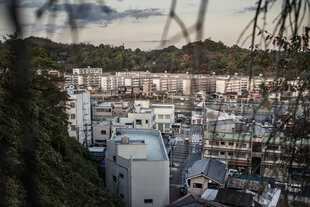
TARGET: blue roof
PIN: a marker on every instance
(221, 122)
(254, 178)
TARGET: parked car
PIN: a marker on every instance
(186, 141)
(232, 171)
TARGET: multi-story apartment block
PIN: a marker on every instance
(137, 167)
(79, 116)
(233, 148)
(164, 117)
(84, 76)
(230, 84)
(148, 88)
(270, 153)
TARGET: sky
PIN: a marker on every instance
(133, 23)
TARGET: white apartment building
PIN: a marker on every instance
(164, 117)
(231, 84)
(137, 167)
(84, 76)
(79, 116)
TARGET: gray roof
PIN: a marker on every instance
(209, 167)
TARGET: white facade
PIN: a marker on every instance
(79, 116)
(143, 117)
(137, 167)
(84, 76)
(164, 117)
(101, 132)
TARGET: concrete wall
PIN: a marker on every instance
(98, 114)
(200, 180)
(143, 117)
(150, 180)
(97, 135)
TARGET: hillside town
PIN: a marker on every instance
(167, 139)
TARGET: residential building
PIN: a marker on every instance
(122, 122)
(102, 110)
(137, 167)
(101, 132)
(143, 117)
(197, 117)
(164, 117)
(148, 89)
(227, 125)
(142, 103)
(79, 116)
(233, 148)
(84, 76)
(204, 174)
(122, 108)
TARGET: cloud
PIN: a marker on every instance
(51, 28)
(102, 14)
(249, 9)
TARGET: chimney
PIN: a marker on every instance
(125, 140)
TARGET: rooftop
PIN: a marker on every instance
(209, 167)
(152, 138)
(229, 136)
(221, 122)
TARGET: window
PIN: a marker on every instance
(72, 116)
(215, 152)
(272, 147)
(167, 116)
(122, 196)
(197, 185)
(167, 126)
(160, 116)
(72, 104)
(72, 127)
(114, 178)
(121, 175)
(148, 200)
(222, 143)
(222, 153)
(215, 143)
(230, 154)
(114, 158)
(241, 155)
(138, 122)
(104, 132)
(230, 143)
(160, 127)
(240, 145)
(146, 121)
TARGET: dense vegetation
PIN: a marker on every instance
(198, 57)
(40, 165)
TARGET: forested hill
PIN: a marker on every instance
(40, 165)
(198, 57)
